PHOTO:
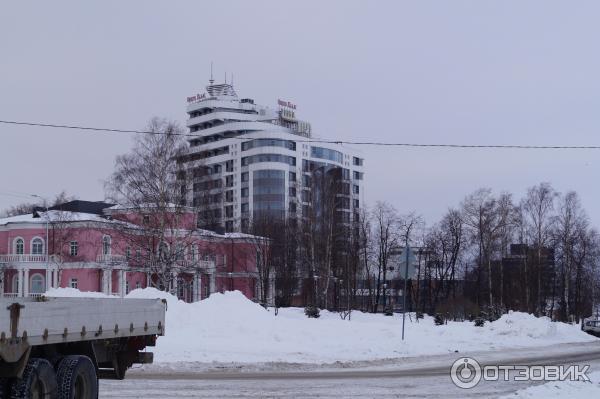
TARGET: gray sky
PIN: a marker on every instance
(503, 72)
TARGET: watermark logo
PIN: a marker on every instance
(466, 373)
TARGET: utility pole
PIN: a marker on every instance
(405, 280)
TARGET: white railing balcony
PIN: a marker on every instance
(11, 258)
(185, 263)
(10, 294)
(111, 259)
(35, 295)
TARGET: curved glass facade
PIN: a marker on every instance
(268, 158)
(256, 143)
(326, 153)
(268, 194)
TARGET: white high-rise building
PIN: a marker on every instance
(249, 159)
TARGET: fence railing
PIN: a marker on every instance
(111, 259)
(13, 258)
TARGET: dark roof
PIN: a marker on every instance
(94, 207)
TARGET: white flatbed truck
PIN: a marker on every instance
(59, 347)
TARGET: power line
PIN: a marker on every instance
(325, 141)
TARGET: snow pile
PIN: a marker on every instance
(562, 389)
(230, 328)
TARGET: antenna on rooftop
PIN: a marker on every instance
(211, 81)
(225, 77)
(232, 78)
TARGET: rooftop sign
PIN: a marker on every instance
(196, 98)
(287, 104)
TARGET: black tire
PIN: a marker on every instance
(77, 378)
(38, 381)
(5, 386)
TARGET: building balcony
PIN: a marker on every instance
(111, 259)
(14, 258)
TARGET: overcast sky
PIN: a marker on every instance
(465, 72)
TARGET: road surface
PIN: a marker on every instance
(406, 378)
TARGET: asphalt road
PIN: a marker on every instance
(402, 378)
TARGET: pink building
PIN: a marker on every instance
(79, 245)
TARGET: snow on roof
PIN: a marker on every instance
(68, 216)
(53, 216)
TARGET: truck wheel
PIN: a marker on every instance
(38, 381)
(5, 384)
(77, 378)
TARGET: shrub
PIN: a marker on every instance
(312, 312)
(438, 319)
(479, 322)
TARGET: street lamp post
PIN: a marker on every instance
(230, 275)
(315, 277)
(404, 292)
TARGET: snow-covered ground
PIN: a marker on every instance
(229, 328)
(562, 389)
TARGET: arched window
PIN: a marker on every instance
(37, 284)
(179, 252)
(106, 243)
(163, 251)
(37, 246)
(19, 246)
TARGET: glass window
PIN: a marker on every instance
(138, 285)
(290, 145)
(269, 192)
(326, 153)
(37, 246)
(358, 175)
(292, 177)
(268, 158)
(245, 176)
(244, 192)
(356, 189)
(128, 253)
(73, 283)
(37, 284)
(163, 251)
(73, 248)
(106, 244)
(357, 161)
(19, 246)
